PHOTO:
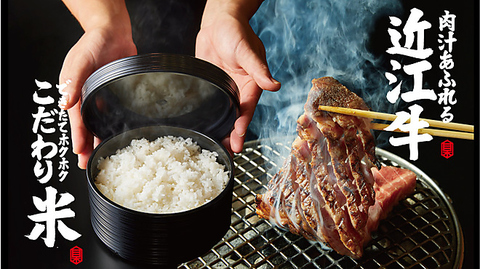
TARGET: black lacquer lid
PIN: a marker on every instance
(160, 89)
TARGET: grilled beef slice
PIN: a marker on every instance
(326, 188)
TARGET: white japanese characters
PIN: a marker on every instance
(408, 41)
(52, 211)
(446, 84)
(63, 143)
(49, 220)
(412, 128)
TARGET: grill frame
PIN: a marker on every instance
(423, 231)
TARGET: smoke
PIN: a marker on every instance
(310, 39)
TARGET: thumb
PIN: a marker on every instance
(75, 70)
(256, 66)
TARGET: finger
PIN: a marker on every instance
(256, 66)
(249, 96)
(84, 156)
(236, 142)
(96, 142)
(83, 159)
(82, 139)
(226, 144)
(75, 70)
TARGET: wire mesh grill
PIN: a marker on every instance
(422, 231)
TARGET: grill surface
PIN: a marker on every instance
(422, 231)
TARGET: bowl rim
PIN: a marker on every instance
(119, 207)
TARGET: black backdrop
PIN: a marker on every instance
(36, 37)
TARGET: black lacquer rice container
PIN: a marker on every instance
(205, 112)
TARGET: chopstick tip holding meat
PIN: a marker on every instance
(327, 188)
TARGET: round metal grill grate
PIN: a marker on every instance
(422, 231)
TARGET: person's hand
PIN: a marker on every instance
(100, 44)
(227, 40)
(94, 49)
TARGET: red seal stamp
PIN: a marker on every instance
(76, 255)
(447, 149)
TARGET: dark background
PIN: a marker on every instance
(38, 34)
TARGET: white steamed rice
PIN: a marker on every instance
(170, 174)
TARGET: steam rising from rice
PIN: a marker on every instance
(165, 95)
(170, 174)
